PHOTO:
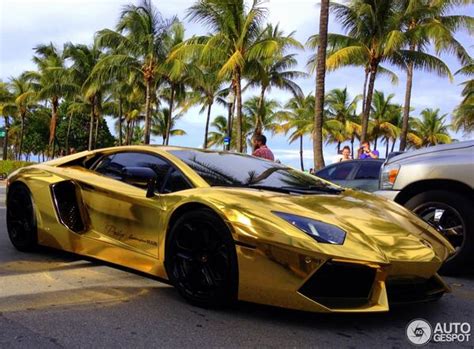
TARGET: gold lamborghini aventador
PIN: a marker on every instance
(224, 226)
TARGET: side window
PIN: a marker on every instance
(324, 173)
(340, 172)
(369, 170)
(112, 165)
(175, 182)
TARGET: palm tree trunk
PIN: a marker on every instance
(393, 145)
(127, 136)
(52, 124)
(368, 102)
(364, 93)
(5, 140)
(207, 124)
(147, 111)
(375, 143)
(120, 111)
(261, 111)
(338, 147)
(96, 135)
(229, 123)
(386, 147)
(238, 96)
(22, 134)
(68, 133)
(352, 146)
(170, 116)
(320, 77)
(301, 153)
(91, 129)
(406, 106)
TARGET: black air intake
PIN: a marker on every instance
(340, 285)
(67, 205)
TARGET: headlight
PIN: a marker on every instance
(321, 232)
(388, 176)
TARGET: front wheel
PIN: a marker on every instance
(453, 215)
(201, 260)
(21, 218)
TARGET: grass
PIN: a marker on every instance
(8, 166)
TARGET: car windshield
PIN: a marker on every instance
(239, 170)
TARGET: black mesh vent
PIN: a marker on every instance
(340, 285)
(67, 206)
(414, 290)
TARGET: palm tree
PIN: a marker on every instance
(24, 99)
(275, 71)
(320, 78)
(174, 70)
(464, 114)
(374, 36)
(52, 82)
(382, 115)
(298, 117)
(425, 22)
(217, 137)
(340, 107)
(138, 46)
(264, 117)
(84, 59)
(6, 99)
(205, 81)
(160, 125)
(431, 129)
(235, 40)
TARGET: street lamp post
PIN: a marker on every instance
(230, 103)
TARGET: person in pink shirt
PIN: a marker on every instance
(260, 148)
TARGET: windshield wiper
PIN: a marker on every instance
(269, 188)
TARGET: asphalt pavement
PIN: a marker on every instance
(52, 299)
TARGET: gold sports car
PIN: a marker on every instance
(223, 226)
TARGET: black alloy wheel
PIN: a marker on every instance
(201, 260)
(21, 218)
(452, 214)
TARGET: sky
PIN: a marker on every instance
(26, 23)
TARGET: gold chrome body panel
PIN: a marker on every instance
(275, 259)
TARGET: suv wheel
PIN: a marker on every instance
(453, 215)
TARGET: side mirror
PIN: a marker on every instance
(142, 177)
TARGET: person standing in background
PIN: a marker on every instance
(260, 148)
(366, 153)
(346, 154)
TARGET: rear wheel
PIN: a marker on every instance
(201, 261)
(453, 215)
(21, 218)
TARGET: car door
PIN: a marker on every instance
(338, 173)
(367, 176)
(120, 213)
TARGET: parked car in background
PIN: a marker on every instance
(359, 174)
(437, 184)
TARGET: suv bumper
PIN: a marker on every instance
(388, 194)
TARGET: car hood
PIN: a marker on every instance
(377, 229)
(429, 150)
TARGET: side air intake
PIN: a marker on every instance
(67, 205)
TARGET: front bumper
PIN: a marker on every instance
(388, 194)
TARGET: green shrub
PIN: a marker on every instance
(8, 166)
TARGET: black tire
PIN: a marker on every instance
(201, 260)
(21, 218)
(456, 223)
